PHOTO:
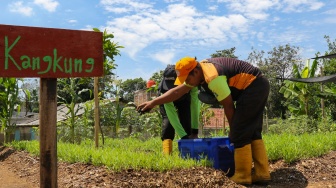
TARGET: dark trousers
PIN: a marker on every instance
(183, 111)
(247, 120)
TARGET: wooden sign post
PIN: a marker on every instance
(49, 54)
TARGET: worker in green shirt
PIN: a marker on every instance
(180, 116)
(242, 90)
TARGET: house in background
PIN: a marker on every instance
(26, 123)
(24, 129)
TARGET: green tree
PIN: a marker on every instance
(64, 92)
(225, 53)
(276, 66)
(328, 67)
(129, 86)
(157, 77)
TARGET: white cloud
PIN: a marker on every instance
(174, 1)
(179, 23)
(286, 36)
(180, 26)
(254, 9)
(331, 12)
(165, 56)
(124, 6)
(301, 5)
(331, 20)
(213, 8)
(258, 9)
(19, 7)
(49, 5)
(331, 16)
(72, 21)
(276, 18)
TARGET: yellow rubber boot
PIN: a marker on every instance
(167, 146)
(260, 159)
(243, 165)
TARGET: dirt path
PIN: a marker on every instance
(9, 179)
(20, 170)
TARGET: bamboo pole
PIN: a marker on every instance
(96, 111)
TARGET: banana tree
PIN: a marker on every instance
(8, 96)
(298, 93)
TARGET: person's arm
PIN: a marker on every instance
(174, 119)
(229, 108)
(170, 96)
(194, 108)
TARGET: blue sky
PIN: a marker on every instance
(155, 33)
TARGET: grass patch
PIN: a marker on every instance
(131, 153)
(116, 154)
(291, 148)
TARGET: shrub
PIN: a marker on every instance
(294, 125)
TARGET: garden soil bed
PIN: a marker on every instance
(19, 169)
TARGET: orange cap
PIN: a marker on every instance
(183, 68)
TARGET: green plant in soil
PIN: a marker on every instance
(121, 154)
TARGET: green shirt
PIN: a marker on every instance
(173, 118)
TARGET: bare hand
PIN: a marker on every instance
(145, 107)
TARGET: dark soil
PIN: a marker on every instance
(19, 169)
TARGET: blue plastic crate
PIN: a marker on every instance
(219, 150)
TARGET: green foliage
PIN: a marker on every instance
(150, 125)
(131, 123)
(225, 53)
(298, 93)
(33, 147)
(83, 125)
(294, 125)
(129, 86)
(111, 49)
(157, 77)
(331, 45)
(9, 103)
(72, 91)
(137, 155)
(300, 125)
(276, 67)
(295, 147)
(147, 154)
(30, 99)
(329, 68)
(71, 88)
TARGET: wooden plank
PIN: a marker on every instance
(50, 53)
(48, 134)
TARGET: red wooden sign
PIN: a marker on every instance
(50, 53)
